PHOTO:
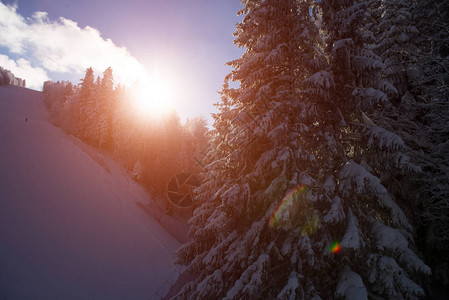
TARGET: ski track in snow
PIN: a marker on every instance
(69, 227)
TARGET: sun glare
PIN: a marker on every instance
(153, 97)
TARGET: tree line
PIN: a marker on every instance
(101, 115)
(8, 78)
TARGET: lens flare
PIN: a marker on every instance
(312, 225)
(283, 206)
(335, 247)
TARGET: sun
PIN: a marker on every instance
(153, 97)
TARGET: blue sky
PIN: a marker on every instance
(187, 41)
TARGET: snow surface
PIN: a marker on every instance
(69, 224)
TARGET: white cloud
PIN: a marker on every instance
(34, 76)
(63, 47)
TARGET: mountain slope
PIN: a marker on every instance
(69, 225)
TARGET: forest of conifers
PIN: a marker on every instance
(327, 168)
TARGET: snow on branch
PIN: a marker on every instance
(250, 280)
(322, 79)
(351, 286)
(319, 84)
(336, 213)
(207, 286)
(352, 239)
(355, 178)
(391, 239)
(384, 139)
(390, 280)
(368, 97)
(341, 46)
(293, 289)
(215, 254)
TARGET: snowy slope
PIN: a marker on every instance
(69, 225)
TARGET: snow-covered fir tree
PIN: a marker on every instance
(421, 119)
(393, 33)
(108, 102)
(86, 89)
(96, 102)
(359, 73)
(94, 119)
(293, 204)
(412, 40)
(432, 112)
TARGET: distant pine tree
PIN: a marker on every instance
(108, 102)
(87, 86)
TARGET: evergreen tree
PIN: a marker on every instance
(394, 32)
(378, 151)
(107, 82)
(293, 205)
(92, 111)
(413, 43)
(120, 115)
(108, 102)
(423, 123)
(97, 101)
(86, 89)
(261, 148)
(195, 143)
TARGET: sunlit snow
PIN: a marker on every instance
(69, 224)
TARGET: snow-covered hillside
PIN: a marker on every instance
(69, 225)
